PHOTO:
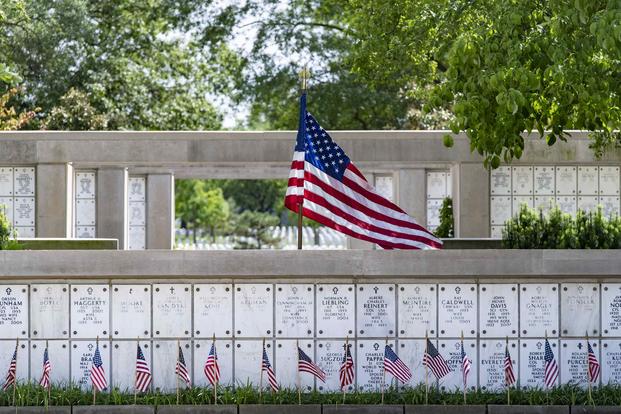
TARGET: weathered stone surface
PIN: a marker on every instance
(113, 409)
(36, 410)
(362, 409)
(528, 409)
(587, 409)
(445, 409)
(197, 409)
(279, 409)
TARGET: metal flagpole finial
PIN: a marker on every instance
(304, 76)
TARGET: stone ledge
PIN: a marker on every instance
(445, 409)
(197, 409)
(528, 409)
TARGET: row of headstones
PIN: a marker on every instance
(240, 361)
(249, 310)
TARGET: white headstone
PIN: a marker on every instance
(411, 352)
(335, 311)
(24, 211)
(587, 180)
(213, 310)
(500, 181)
(532, 363)
(609, 181)
(498, 310)
(82, 353)
(85, 212)
(124, 363)
(587, 203)
(7, 348)
(457, 310)
(433, 212)
(384, 186)
(24, 181)
(6, 182)
(58, 353)
(131, 311)
(450, 349)
(248, 354)
(579, 309)
(436, 185)
(522, 180)
(13, 311)
(376, 310)
(518, 201)
(573, 363)
(539, 310)
(172, 311)
(254, 310)
(330, 357)
(49, 311)
(610, 206)
(491, 363)
(164, 361)
(611, 309)
(286, 360)
(611, 361)
(566, 181)
(224, 352)
(90, 311)
(295, 310)
(370, 365)
(567, 204)
(500, 209)
(417, 310)
(544, 180)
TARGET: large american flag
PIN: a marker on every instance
(394, 365)
(98, 375)
(551, 368)
(267, 368)
(143, 373)
(434, 361)
(508, 366)
(12, 374)
(181, 370)
(593, 364)
(346, 371)
(466, 365)
(47, 369)
(212, 370)
(333, 192)
(305, 364)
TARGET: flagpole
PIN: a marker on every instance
(588, 371)
(261, 374)
(506, 381)
(299, 380)
(215, 384)
(463, 373)
(544, 375)
(426, 368)
(346, 349)
(136, 373)
(15, 380)
(94, 387)
(49, 384)
(384, 373)
(304, 79)
(177, 367)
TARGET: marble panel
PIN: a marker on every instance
(433, 212)
(85, 185)
(522, 180)
(213, 310)
(224, 352)
(532, 363)
(491, 363)
(411, 352)
(90, 311)
(500, 210)
(49, 311)
(611, 309)
(24, 211)
(498, 310)
(58, 353)
(539, 309)
(85, 232)
(610, 206)
(375, 310)
(85, 212)
(587, 203)
(518, 201)
(500, 181)
(124, 363)
(369, 365)
(335, 310)
(573, 361)
(588, 180)
(13, 311)
(566, 178)
(611, 362)
(286, 360)
(496, 232)
(579, 309)
(450, 349)
(248, 354)
(172, 310)
(254, 310)
(164, 362)
(136, 189)
(82, 353)
(23, 232)
(609, 181)
(544, 203)
(384, 186)
(544, 180)
(566, 204)
(295, 310)
(137, 237)
(417, 310)
(6, 182)
(330, 356)
(436, 185)
(24, 182)
(457, 310)
(7, 347)
(6, 205)
(131, 311)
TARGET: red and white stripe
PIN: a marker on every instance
(143, 375)
(98, 378)
(353, 207)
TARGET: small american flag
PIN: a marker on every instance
(551, 368)
(47, 369)
(434, 361)
(305, 364)
(333, 192)
(593, 364)
(394, 365)
(267, 368)
(181, 370)
(466, 365)
(509, 373)
(12, 374)
(212, 370)
(143, 373)
(98, 375)
(346, 372)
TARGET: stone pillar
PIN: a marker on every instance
(54, 200)
(112, 204)
(160, 211)
(471, 200)
(411, 193)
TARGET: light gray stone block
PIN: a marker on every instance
(588, 409)
(113, 409)
(36, 410)
(279, 409)
(445, 409)
(362, 409)
(197, 409)
(528, 409)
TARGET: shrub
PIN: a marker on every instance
(532, 229)
(445, 229)
(7, 233)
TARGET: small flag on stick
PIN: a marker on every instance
(143, 372)
(551, 367)
(47, 369)
(212, 370)
(11, 376)
(98, 375)
(466, 365)
(346, 371)
(305, 364)
(508, 365)
(267, 368)
(594, 367)
(181, 370)
(434, 361)
(394, 365)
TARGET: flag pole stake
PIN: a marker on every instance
(299, 380)
(136, 374)
(94, 387)
(588, 371)
(426, 369)
(304, 80)
(49, 384)
(215, 384)
(346, 349)
(178, 348)
(261, 375)
(15, 380)
(384, 373)
(506, 381)
(463, 374)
